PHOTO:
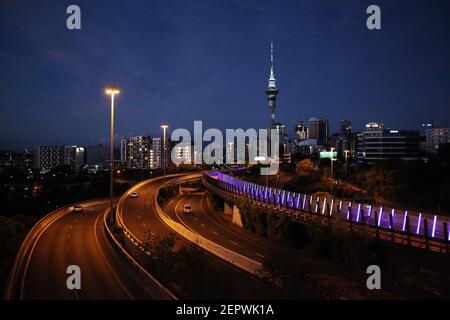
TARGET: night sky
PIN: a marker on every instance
(180, 61)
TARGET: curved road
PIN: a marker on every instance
(80, 239)
(205, 221)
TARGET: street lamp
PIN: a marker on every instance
(346, 159)
(164, 126)
(332, 179)
(112, 91)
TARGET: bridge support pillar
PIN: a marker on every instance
(227, 208)
(236, 219)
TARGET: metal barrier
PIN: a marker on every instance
(308, 208)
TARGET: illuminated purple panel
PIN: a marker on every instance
(404, 221)
(282, 198)
(304, 201)
(370, 210)
(379, 217)
(418, 223)
(359, 211)
(324, 205)
(331, 207)
(392, 214)
(348, 209)
(298, 200)
(434, 226)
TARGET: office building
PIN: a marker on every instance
(436, 137)
(318, 130)
(48, 157)
(377, 143)
(345, 128)
(74, 157)
(301, 131)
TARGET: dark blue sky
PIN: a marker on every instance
(180, 61)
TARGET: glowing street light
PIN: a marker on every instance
(164, 126)
(112, 91)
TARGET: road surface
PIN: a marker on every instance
(80, 239)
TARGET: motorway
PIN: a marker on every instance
(80, 239)
(205, 222)
(141, 220)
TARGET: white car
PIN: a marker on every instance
(134, 194)
(77, 208)
(187, 209)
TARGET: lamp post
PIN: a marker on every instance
(346, 161)
(164, 126)
(332, 179)
(112, 91)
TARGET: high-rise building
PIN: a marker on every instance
(436, 137)
(353, 145)
(301, 131)
(346, 128)
(182, 153)
(377, 143)
(318, 129)
(74, 157)
(136, 152)
(285, 147)
(156, 153)
(48, 157)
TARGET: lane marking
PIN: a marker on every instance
(203, 225)
(143, 224)
(68, 235)
(233, 242)
(259, 255)
(215, 233)
(28, 260)
(232, 232)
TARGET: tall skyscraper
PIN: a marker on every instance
(318, 130)
(271, 92)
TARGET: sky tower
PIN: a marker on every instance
(271, 92)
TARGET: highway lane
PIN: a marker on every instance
(80, 239)
(137, 213)
(203, 222)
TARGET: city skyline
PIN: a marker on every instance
(325, 67)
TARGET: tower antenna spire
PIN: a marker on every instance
(271, 58)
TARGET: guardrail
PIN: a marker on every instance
(162, 291)
(303, 208)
